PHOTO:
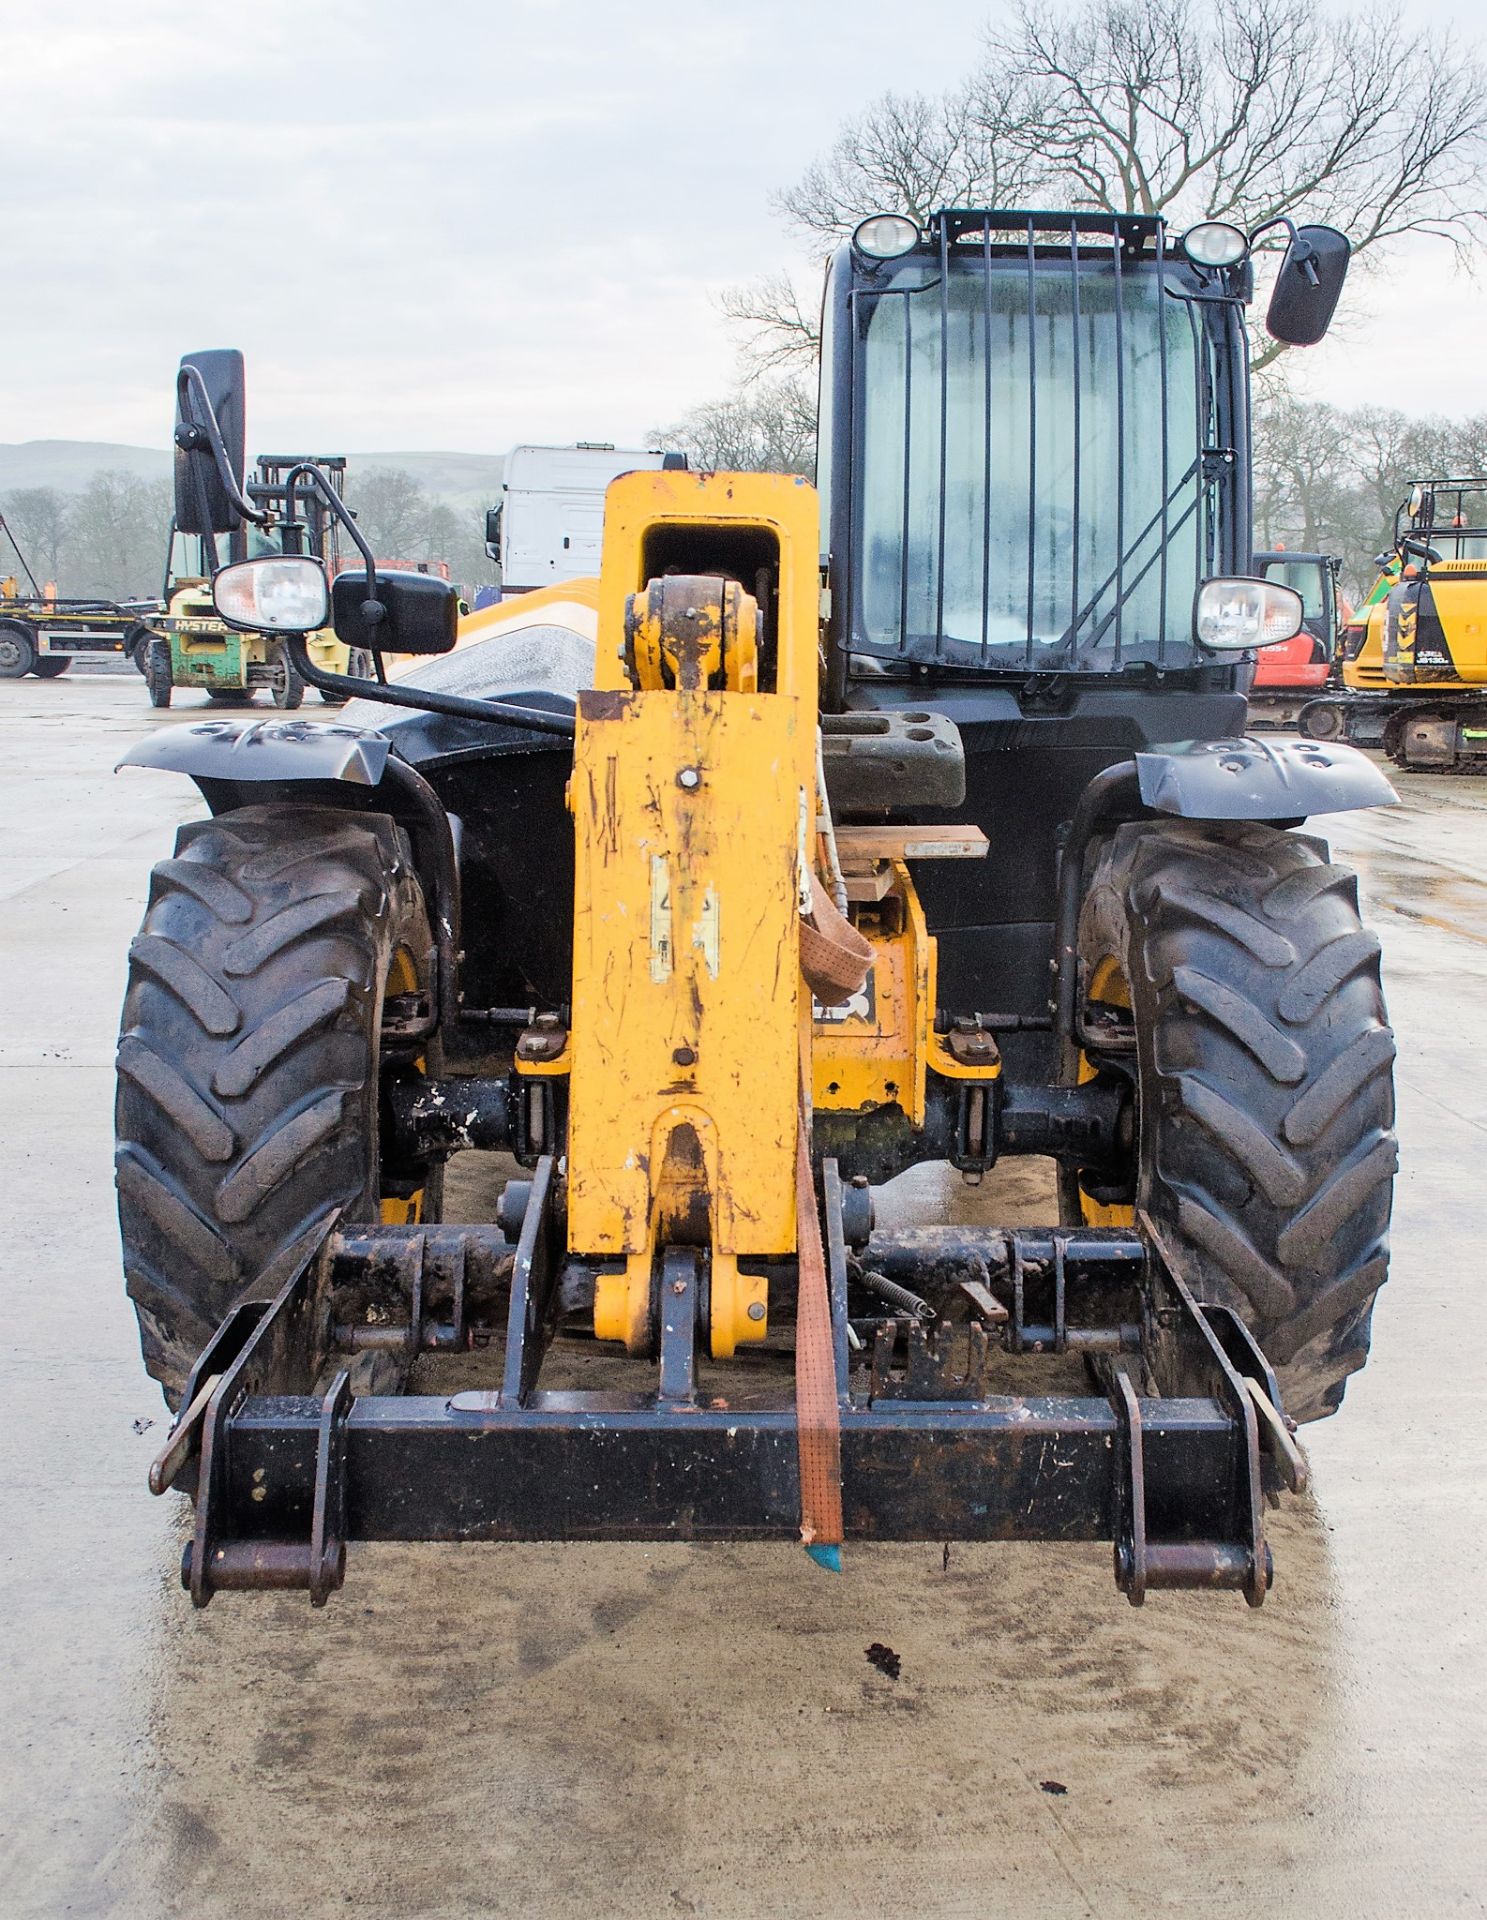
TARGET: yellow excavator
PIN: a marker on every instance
(1415, 653)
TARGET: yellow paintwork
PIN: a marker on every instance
(725, 635)
(1366, 672)
(878, 1049)
(1458, 590)
(572, 603)
(1108, 985)
(694, 801)
(402, 1210)
(690, 807)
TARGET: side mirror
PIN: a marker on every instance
(1308, 286)
(412, 613)
(203, 504)
(493, 532)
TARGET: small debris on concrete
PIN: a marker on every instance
(885, 1660)
(140, 1424)
(1053, 1786)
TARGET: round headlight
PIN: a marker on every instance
(1233, 615)
(272, 595)
(1417, 501)
(883, 236)
(1214, 243)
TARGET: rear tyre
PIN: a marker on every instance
(51, 666)
(1263, 1060)
(230, 696)
(287, 687)
(158, 681)
(137, 646)
(358, 667)
(251, 1060)
(17, 653)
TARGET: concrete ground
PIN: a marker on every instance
(652, 1731)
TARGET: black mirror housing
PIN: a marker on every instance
(1308, 286)
(492, 526)
(420, 612)
(202, 501)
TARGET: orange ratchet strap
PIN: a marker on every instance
(817, 1414)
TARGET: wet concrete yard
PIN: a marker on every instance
(674, 1730)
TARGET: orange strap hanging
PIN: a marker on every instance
(817, 1415)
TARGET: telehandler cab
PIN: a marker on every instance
(907, 822)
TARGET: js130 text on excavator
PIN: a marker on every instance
(908, 819)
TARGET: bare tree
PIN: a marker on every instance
(116, 533)
(38, 518)
(1239, 110)
(767, 426)
(781, 332)
(1330, 480)
(909, 154)
(391, 510)
(1302, 468)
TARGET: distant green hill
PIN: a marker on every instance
(68, 465)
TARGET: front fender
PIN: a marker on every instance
(1259, 780)
(252, 750)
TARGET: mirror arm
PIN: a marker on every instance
(307, 470)
(425, 700)
(190, 387)
(1301, 251)
(1268, 226)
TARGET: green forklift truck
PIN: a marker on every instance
(191, 646)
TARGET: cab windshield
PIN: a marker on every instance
(1303, 577)
(1029, 436)
(188, 558)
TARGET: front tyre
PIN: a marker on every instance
(1233, 960)
(17, 652)
(159, 681)
(251, 1059)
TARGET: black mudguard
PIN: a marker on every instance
(263, 750)
(1251, 779)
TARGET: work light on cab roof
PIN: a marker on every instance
(884, 236)
(1214, 243)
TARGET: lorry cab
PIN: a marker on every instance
(550, 522)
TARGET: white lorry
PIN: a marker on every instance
(550, 522)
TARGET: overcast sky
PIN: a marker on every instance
(462, 225)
